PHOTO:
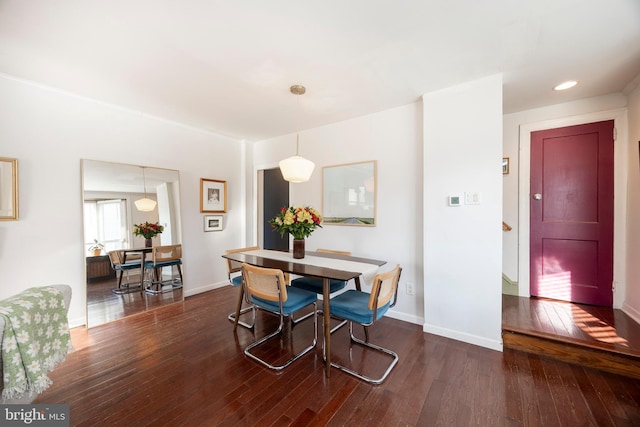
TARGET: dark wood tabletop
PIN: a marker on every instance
(302, 269)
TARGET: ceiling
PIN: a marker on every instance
(226, 66)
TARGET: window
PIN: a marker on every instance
(106, 221)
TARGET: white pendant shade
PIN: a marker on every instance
(145, 205)
(296, 169)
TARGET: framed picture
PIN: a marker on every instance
(8, 189)
(349, 194)
(505, 165)
(213, 222)
(213, 195)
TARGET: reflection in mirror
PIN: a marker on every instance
(117, 286)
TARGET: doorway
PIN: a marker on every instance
(572, 213)
(275, 196)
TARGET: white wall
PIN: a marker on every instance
(49, 131)
(394, 139)
(517, 128)
(463, 245)
(631, 304)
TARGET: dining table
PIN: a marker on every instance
(142, 252)
(321, 265)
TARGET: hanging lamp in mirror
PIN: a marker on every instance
(296, 168)
(145, 204)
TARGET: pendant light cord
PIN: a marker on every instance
(297, 122)
(144, 182)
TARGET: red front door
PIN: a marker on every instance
(572, 213)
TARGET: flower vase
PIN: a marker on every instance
(298, 248)
(147, 243)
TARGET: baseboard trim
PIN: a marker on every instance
(205, 288)
(405, 317)
(631, 312)
(464, 337)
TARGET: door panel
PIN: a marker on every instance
(572, 213)
(275, 196)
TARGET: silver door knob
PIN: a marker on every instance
(537, 196)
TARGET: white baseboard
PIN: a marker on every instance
(205, 288)
(79, 321)
(405, 317)
(631, 312)
(464, 337)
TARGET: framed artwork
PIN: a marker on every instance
(505, 165)
(213, 195)
(213, 222)
(8, 189)
(349, 194)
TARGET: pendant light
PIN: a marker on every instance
(145, 204)
(296, 168)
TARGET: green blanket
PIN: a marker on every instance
(36, 338)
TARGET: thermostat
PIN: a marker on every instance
(455, 200)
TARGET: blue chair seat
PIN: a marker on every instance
(236, 281)
(296, 299)
(127, 266)
(315, 285)
(354, 305)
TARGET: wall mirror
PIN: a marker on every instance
(109, 193)
(349, 194)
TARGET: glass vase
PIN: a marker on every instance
(298, 248)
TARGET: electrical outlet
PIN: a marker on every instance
(410, 289)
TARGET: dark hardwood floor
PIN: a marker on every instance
(104, 306)
(183, 365)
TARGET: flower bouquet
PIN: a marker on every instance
(297, 221)
(147, 231)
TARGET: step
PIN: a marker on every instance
(595, 355)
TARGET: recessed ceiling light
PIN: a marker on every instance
(566, 85)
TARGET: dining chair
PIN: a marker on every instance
(365, 309)
(267, 290)
(234, 271)
(315, 285)
(133, 262)
(161, 257)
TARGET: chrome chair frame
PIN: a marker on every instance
(280, 282)
(232, 268)
(159, 261)
(374, 304)
(116, 259)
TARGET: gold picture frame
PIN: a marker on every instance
(505, 165)
(213, 195)
(8, 189)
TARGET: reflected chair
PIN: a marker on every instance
(161, 257)
(133, 262)
(267, 290)
(315, 285)
(234, 271)
(365, 309)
